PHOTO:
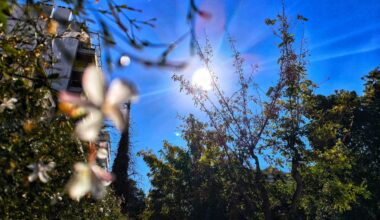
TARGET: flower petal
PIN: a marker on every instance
(88, 128)
(32, 177)
(114, 113)
(11, 106)
(93, 85)
(120, 91)
(13, 100)
(106, 183)
(101, 173)
(50, 166)
(32, 166)
(71, 109)
(80, 183)
(43, 176)
(102, 153)
(70, 97)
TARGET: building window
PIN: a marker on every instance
(75, 84)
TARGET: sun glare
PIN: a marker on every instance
(202, 79)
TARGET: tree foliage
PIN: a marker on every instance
(196, 182)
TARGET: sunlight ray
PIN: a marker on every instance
(346, 36)
(157, 92)
(346, 53)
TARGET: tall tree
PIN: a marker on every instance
(121, 163)
(287, 136)
(364, 144)
(333, 186)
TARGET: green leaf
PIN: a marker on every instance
(270, 21)
(4, 12)
(270, 90)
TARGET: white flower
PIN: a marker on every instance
(8, 103)
(40, 171)
(99, 102)
(88, 179)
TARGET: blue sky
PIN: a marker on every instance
(343, 39)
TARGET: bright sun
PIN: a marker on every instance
(202, 79)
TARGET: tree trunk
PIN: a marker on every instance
(299, 186)
(263, 191)
(121, 163)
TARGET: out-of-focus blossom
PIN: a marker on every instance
(99, 103)
(55, 198)
(71, 110)
(88, 179)
(8, 103)
(28, 126)
(103, 144)
(46, 101)
(40, 170)
(102, 153)
(52, 27)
